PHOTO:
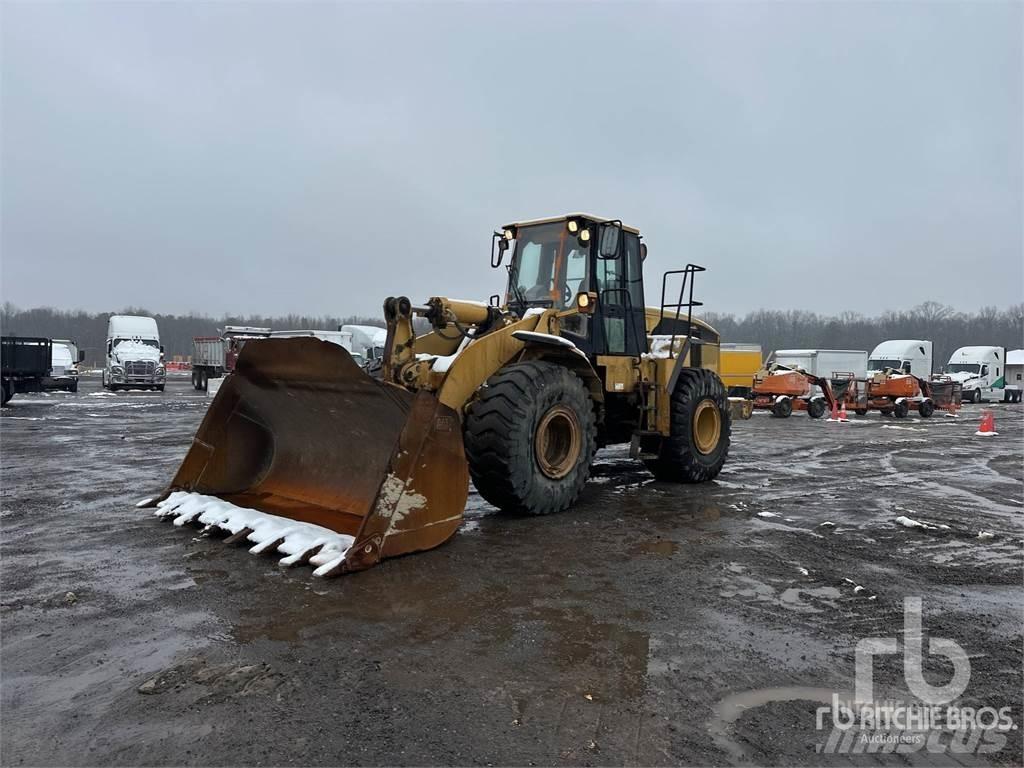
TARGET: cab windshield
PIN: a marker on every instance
(962, 368)
(882, 363)
(148, 342)
(549, 267)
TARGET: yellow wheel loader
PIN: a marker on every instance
(305, 454)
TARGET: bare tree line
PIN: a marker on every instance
(176, 331)
(772, 329)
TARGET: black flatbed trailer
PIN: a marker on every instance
(24, 363)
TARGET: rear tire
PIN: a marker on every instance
(530, 437)
(782, 408)
(698, 445)
(861, 411)
(204, 380)
(816, 408)
(195, 380)
(926, 409)
(8, 392)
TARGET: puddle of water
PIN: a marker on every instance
(731, 708)
(658, 547)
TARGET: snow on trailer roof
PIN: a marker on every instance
(816, 351)
(1015, 357)
(238, 330)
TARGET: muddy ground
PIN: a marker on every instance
(652, 624)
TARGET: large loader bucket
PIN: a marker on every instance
(303, 453)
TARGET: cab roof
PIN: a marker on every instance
(565, 217)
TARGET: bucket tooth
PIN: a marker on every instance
(270, 545)
(237, 538)
(300, 558)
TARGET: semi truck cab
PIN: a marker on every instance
(981, 372)
(134, 356)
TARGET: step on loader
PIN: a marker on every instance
(305, 454)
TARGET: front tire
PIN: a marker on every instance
(816, 408)
(782, 408)
(8, 391)
(530, 437)
(901, 409)
(698, 445)
(926, 409)
(976, 396)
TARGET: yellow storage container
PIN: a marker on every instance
(737, 365)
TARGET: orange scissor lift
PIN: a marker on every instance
(782, 390)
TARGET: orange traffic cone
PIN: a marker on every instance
(842, 413)
(988, 425)
(834, 416)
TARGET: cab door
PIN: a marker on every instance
(619, 323)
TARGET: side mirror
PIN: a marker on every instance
(161, 349)
(499, 244)
(643, 252)
(81, 355)
(611, 237)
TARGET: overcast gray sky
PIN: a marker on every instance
(272, 158)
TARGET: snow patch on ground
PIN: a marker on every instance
(325, 548)
(908, 522)
(766, 514)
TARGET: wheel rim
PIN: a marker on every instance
(707, 426)
(558, 442)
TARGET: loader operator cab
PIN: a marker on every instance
(582, 263)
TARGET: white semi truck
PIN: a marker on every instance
(64, 359)
(913, 356)
(134, 357)
(981, 372)
(367, 342)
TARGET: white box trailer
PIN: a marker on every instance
(1014, 376)
(342, 338)
(826, 363)
(912, 356)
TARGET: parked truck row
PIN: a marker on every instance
(896, 377)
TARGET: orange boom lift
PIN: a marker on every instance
(783, 390)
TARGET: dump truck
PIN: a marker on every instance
(781, 390)
(25, 363)
(215, 356)
(305, 454)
